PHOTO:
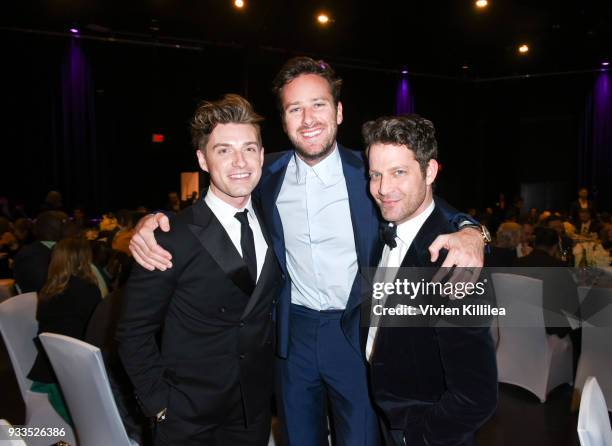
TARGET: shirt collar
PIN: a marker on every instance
(328, 170)
(222, 210)
(408, 230)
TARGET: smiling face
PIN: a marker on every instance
(233, 157)
(397, 182)
(310, 116)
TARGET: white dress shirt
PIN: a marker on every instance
(320, 246)
(392, 258)
(225, 213)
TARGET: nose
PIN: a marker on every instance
(239, 160)
(308, 117)
(384, 186)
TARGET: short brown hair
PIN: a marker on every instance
(231, 109)
(416, 133)
(297, 66)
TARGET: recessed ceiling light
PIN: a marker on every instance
(523, 49)
(605, 63)
(482, 3)
(74, 30)
(239, 3)
(323, 19)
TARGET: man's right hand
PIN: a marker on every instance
(144, 247)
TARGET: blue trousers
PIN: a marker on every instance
(321, 366)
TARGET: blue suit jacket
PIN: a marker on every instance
(364, 216)
(365, 219)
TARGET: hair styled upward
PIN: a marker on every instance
(231, 109)
(297, 66)
(413, 131)
(70, 257)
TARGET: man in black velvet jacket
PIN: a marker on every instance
(434, 386)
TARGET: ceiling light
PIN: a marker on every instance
(74, 30)
(523, 49)
(239, 3)
(465, 67)
(404, 71)
(323, 19)
(605, 63)
(482, 3)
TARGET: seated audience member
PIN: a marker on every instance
(560, 293)
(582, 203)
(32, 261)
(24, 231)
(121, 240)
(174, 203)
(525, 245)
(564, 251)
(8, 245)
(65, 304)
(53, 202)
(507, 238)
(586, 224)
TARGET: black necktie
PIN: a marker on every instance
(388, 231)
(247, 243)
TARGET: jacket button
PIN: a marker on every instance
(222, 310)
(273, 301)
(242, 356)
(241, 323)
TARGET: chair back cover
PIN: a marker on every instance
(19, 326)
(593, 421)
(79, 367)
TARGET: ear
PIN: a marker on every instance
(339, 116)
(261, 156)
(202, 160)
(431, 172)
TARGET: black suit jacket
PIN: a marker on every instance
(31, 265)
(215, 326)
(438, 385)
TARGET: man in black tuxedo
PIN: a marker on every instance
(433, 386)
(209, 382)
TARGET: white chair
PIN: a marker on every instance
(79, 368)
(593, 421)
(596, 355)
(19, 326)
(526, 356)
(13, 440)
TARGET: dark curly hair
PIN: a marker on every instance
(413, 131)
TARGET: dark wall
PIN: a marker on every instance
(492, 136)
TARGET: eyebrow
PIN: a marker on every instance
(225, 144)
(309, 100)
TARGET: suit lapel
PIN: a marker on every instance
(217, 243)
(270, 186)
(357, 187)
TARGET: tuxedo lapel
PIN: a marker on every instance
(211, 234)
(267, 272)
(418, 254)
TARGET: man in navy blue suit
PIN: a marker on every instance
(324, 229)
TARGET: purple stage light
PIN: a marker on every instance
(74, 30)
(605, 64)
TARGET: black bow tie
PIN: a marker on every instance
(388, 232)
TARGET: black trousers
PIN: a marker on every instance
(231, 430)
